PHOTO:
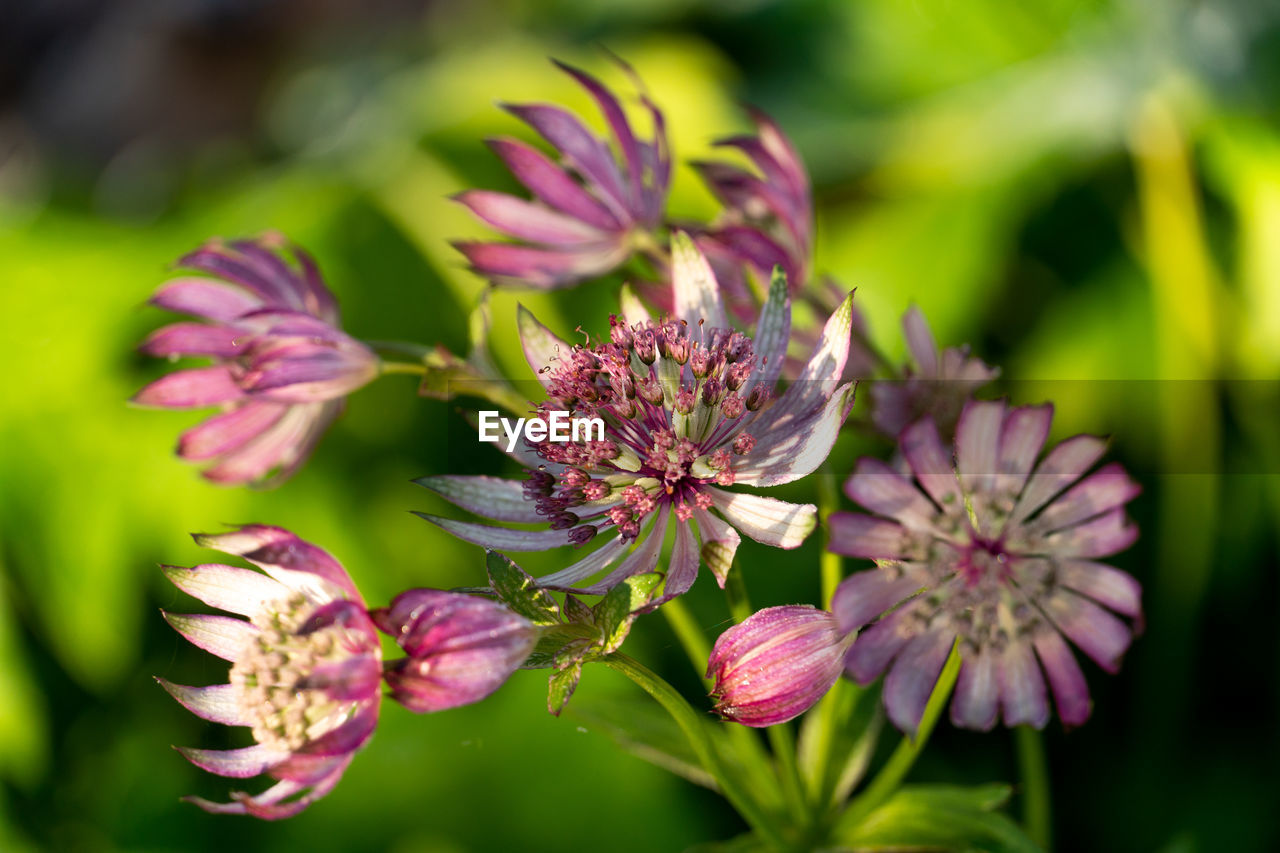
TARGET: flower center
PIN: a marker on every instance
(675, 405)
(272, 675)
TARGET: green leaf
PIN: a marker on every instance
(616, 611)
(575, 610)
(941, 817)
(645, 731)
(520, 592)
(561, 685)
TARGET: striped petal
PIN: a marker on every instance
(875, 647)
(1099, 634)
(235, 763)
(551, 184)
(791, 444)
(931, 464)
(594, 562)
(864, 596)
(1022, 690)
(1104, 584)
(191, 389)
(697, 295)
(884, 491)
(857, 535)
(491, 497)
(1063, 465)
(230, 430)
(220, 635)
(1070, 691)
(542, 347)
(977, 701)
(915, 672)
(527, 220)
(219, 703)
(235, 590)
(719, 544)
(193, 339)
(773, 330)
(766, 520)
(500, 538)
(292, 561)
(205, 298)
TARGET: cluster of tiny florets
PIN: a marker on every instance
(674, 402)
(272, 675)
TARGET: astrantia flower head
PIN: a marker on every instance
(938, 385)
(282, 365)
(460, 647)
(775, 664)
(768, 217)
(306, 667)
(994, 551)
(588, 210)
(688, 411)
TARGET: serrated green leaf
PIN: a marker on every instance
(561, 685)
(616, 611)
(575, 610)
(941, 817)
(520, 592)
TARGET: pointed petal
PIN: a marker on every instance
(633, 310)
(294, 562)
(229, 430)
(1107, 488)
(1022, 691)
(543, 268)
(1065, 464)
(193, 339)
(219, 703)
(875, 647)
(226, 263)
(931, 464)
(588, 156)
(500, 538)
(768, 521)
(205, 298)
(682, 570)
(621, 128)
(791, 445)
(542, 347)
(1099, 634)
(719, 544)
(1070, 692)
(977, 701)
(527, 220)
(220, 635)
(1021, 439)
(920, 341)
(821, 375)
(864, 596)
(572, 575)
(1106, 585)
(191, 389)
(282, 445)
(773, 330)
(697, 295)
(235, 763)
(978, 445)
(492, 497)
(881, 489)
(1103, 536)
(856, 535)
(914, 673)
(552, 184)
(241, 591)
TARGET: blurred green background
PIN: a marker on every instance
(1089, 192)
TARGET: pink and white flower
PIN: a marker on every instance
(281, 368)
(995, 552)
(306, 667)
(689, 411)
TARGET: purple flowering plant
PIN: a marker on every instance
(974, 552)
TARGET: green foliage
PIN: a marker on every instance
(941, 817)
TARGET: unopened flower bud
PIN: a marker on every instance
(460, 648)
(776, 664)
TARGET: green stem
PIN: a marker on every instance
(891, 775)
(1034, 769)
(783, 744)
(735, 592)
(746, 744)
(699, 736)
(690, 635)
(404, 348)
(830, 566)
(389, 367)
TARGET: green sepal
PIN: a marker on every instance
(617, 610)
(519, 591)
